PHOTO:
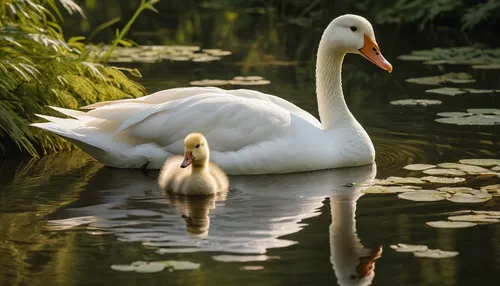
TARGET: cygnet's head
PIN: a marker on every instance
(195, 150)
(353, 34)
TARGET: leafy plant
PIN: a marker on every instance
(39, 68)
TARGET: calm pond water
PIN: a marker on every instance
(312, 227)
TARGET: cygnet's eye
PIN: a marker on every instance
(354, 28)
(197, 145)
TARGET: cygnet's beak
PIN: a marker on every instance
(188, 159)
(371, 52)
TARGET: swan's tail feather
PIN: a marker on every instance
(59, 127)
(70, 112)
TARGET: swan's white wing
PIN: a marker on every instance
(229, 122)
(186, 92)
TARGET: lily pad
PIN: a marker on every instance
(446, 91)
(453, 114)
(450, 224)
(487, 67)
(444, 172)
(252, 267)
(478, 91)
(418, 167)
(496, 168)
(400, 247)
(436, 253)
(469, 169)
(443, 180)
(210, 82)
(242, 258)
(406, 180)
(481, 162)
(413, 58)
(388, 190)
(491, 188)
(467, 199)
(454, 190)
(383, 182)
(448, 77)
(423, 196)
(493, 214)
(249, 80)
(472, 120)
(423, 102)
(484, 111)
(474, 218)
(216, 52)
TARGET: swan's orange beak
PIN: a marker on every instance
(188, 159)
(371, 52)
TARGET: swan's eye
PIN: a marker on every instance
(354, 28)
(197, 145)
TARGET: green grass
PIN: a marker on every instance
(38, 67)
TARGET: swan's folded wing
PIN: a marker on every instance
(229, 122)
(174, 94)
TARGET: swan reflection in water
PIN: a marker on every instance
(250, 219)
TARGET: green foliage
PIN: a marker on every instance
(39, 68)
(424, 12)
(120, 35)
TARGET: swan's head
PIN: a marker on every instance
(195, 149)
(353, 34)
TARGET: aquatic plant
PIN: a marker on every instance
(38, 67)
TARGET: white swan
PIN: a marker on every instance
(250, 132)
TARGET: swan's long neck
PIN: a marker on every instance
(333, 110)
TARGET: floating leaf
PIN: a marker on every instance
(496, 168)
(413, 58)
(481, 162)
(388, 190)
(450, 224)
(464, 167)
(454, 190)
(487, 67)
(383, 182)
(423, 196)
(478, 91)
(443, 180)
(491, 188)
(242, 258)
(446, 91)
(494, 214)
(407, 180)
(484, 111)
(467, 198)
(216, 52)
(210, 82)
(418, 167)
(474, 218)
(423, 102)
(252, 267)
(449, 77)
(249, 80)
(400, 247)
(444, 172)
(472, 120)
(436, 253)
(453, 114)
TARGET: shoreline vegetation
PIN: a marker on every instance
(41, 65)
